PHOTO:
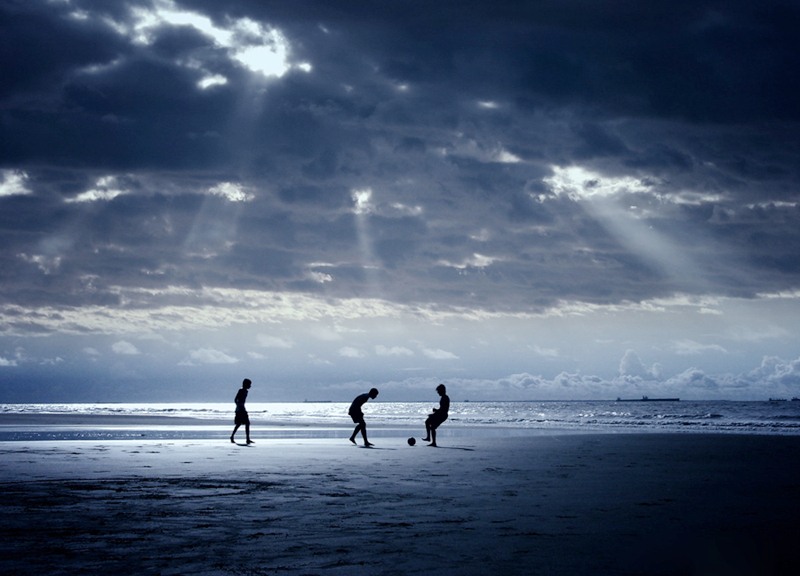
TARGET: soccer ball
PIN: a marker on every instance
(411, 441)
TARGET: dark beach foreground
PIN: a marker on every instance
(573, 504)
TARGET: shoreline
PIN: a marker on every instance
(71, 426)
(97, 427)
(55, 419)
(501, 419)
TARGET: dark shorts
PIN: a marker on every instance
(241, 418)
(358, 417)
(435, 419)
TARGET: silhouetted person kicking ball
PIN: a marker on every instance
(358, 416)
(241, 413)
(439, 415)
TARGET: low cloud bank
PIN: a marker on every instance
(775, 377)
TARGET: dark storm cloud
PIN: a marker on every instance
(38, 46)
(453, 115)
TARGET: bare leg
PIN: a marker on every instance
(433, 437)
(247, 433)
(235, 428)
(364, 434)
(427, 432)
(355, 432)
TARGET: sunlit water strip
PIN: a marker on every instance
(330, 419)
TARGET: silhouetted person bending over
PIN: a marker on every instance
(241, 413)
(358, 416)
(439, 415)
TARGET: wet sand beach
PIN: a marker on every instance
(551, 504)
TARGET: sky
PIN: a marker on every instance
(522, 200)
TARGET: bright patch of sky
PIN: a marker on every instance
(231, 191)
(351, 352)
(481, 151)
(209, 356)
(106, 188)
(474, 261)
(214, 80)
(12, 183)
(124, 347)
(362, 199)
(438, 354)
(399, 209)
(257, 46)
(319, 277)
(579, 183)
(47, 264)
(436, 343)
(692, 348)
(600, 194)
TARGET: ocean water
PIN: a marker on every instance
(330, 419)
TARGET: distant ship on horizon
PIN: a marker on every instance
(648, 399)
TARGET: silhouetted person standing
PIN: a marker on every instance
(241, 412)
(358, 416)
(439, 415)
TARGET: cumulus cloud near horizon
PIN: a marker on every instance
(210, 356)
(124, 347)
(775, 377)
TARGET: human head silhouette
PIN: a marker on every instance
(373, 393)
(441, 389)
(246, 383)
